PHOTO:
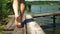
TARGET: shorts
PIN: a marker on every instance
(22, 1)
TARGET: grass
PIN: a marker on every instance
(1, 28)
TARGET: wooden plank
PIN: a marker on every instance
(9, 25)
(11, 15)
(13, 26)
(6, 32)
(46, 14)
(32, 26)
(20, 30)
(42, 15)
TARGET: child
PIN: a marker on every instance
(15, 7)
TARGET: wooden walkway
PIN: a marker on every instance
(31, 27)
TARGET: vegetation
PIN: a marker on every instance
(5, 9)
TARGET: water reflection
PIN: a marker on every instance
(44, 8)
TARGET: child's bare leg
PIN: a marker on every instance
(15, 7)
(22, 7)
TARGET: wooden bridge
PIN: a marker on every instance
(30, 25)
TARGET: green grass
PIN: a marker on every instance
(1, 28)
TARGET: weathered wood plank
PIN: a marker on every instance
(7, 32)
(47, 14)
(8, 28)
(10, 25)
(20, 30)
(32, 26)
(42, 15)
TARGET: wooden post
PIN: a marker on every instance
(32, 26)
(54, 24)
(29, 6)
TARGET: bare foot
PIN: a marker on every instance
(17, 22)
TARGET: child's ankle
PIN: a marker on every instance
(16, 15)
